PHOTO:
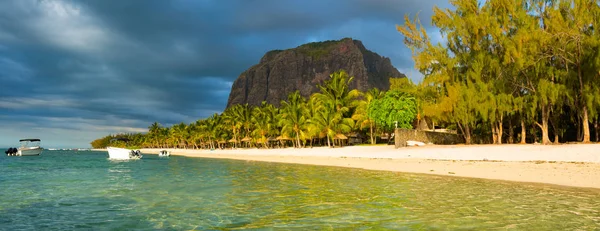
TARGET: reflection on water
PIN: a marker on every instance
(86, 190)
(119, 179)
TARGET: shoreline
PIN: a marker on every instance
(574, 165)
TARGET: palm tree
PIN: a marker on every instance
(336, 93)
(336, 102)
(262, 118)
(179, 134)
(330, 122)
(245, 118)
(203, 132)
(153, 134)
(214, 126)
(164, 136)
(193, 134)
(231, 120)
(362, 108)
(313, 130)
(293, 120)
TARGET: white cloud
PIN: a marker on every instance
(68, 26)
(39, 102)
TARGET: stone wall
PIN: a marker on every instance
(402, 135)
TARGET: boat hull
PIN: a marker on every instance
(34, 151)
(164, 153)
(121, 154)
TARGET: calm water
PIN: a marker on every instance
(67, 190)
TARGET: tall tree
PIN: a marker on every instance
(361, 115)
(571, 25)
(395, 108)
(293, 119)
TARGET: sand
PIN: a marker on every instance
(576, 165)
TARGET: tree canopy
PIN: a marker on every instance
(395, 107)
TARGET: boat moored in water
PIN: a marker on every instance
(29, 147)
(123, 153)
(164, 153)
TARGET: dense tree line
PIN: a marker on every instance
(325, 118)
(510, 65)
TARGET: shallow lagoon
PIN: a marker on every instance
(68, 190)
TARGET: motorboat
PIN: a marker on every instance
(29, 147)
(123, 153)
(164, 153)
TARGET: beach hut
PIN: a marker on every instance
(272, 141)
(221, 144)
(283, 139)
(355, 138)
(340, 138)
(233, 142)
(247, 141)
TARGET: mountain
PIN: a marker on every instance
(281, 72)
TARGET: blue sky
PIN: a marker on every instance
(73, 71)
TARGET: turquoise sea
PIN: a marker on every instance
(69, 190)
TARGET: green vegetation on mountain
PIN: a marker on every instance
(302, 69)
(316, 50)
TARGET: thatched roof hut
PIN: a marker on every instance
(246, 139)
(283, 137)
(340, 136)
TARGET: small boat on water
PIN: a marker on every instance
(123, 153)
(164, 153)
(117, 153)
(29, 147)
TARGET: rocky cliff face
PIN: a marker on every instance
(281, 72)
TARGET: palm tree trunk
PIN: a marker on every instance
(578, 128)
(466, 132)
(297, 141)
(371, 130)
(511, 131)
(586, 125)
(499, 130)
(494, 133)
(596, 129)
(555, 129)
(523, 131)
(544, 125)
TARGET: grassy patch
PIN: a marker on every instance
(317, 50)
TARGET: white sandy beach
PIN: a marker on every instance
(569, 164)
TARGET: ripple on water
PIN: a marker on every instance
(84, 190)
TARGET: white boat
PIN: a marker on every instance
(29, 147)
(164, 153)
(123, 153)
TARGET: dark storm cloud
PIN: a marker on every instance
(117, 66)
